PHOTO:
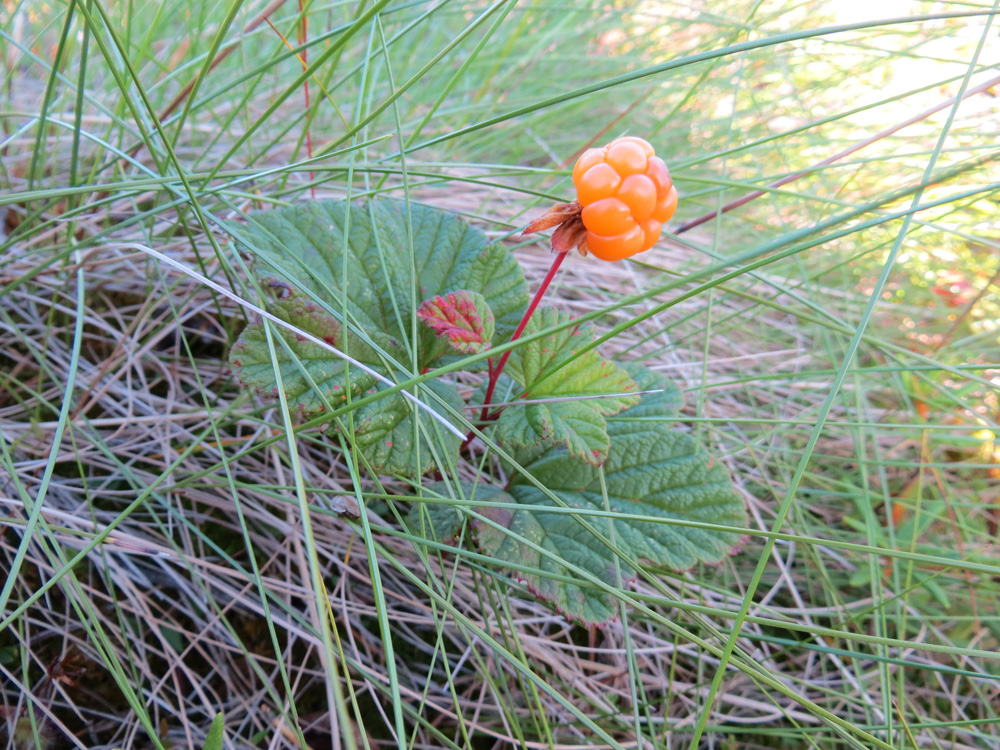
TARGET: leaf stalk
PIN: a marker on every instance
(496, 370)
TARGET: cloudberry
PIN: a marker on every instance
(627, 194)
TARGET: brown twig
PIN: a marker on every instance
(836, 157)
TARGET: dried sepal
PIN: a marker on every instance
(555, 216)
(570, 232)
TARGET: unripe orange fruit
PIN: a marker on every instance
(627, 194)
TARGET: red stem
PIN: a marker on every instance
(495, 370)
(303, 38)
(495, 375)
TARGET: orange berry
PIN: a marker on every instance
(618, 247)
(639, 193)
(665, 208)
(600, 181)
(640, 142)
(651, 229)
(657, 171)
(627, 194)
(627, 158)
(587, 159)
(608, 216)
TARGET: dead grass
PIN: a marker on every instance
(199, 600)
(172, 590)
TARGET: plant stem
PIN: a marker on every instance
(495, 374)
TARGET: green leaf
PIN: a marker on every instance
(443, 522)
(436, 521)
(310, 257)
(654, 472)
(303, 246)
(568, 395)
(576, 425)
(216, 733)
(314, 378)
(461, 318)
(384, 433)
(548, 366)
(663, 404)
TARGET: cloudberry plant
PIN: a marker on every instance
(593, 434)
(624, 195)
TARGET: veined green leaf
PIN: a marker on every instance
(314, 378)
(384, 431)
(577, 425)
(443, 522)
(655, 473)
(568, 396)
(307, 268)
(304, 246)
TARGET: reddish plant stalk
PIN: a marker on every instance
(303, 38)
(985, 86)
(496, 371)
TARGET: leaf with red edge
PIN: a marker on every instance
(671, 506)
(462, 318)
(348, 274)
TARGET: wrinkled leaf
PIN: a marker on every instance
(653, 472)
(568, 396)
(384, 432)
(314, 378)
(443, 522)
(303, 246)
(461, 318)
(574, 424)
(436, 522)
(307, 269)
(663, 404)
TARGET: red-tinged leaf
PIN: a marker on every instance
(462, 318)
(317, 258)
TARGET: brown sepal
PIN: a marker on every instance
(556, 215)
(570, 234)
